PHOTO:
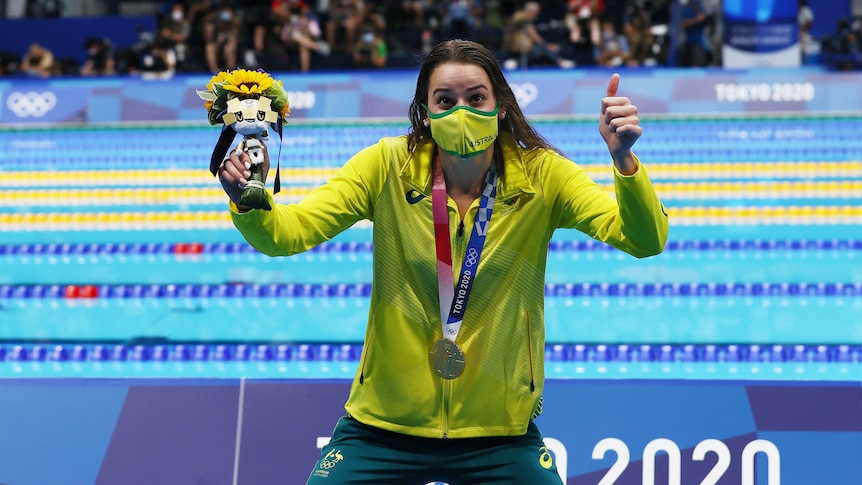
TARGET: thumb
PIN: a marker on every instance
(613, 85)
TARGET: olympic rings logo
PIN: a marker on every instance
(525, 93)
(472, 257)
(31, 103)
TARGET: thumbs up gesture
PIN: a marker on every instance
(619, 126)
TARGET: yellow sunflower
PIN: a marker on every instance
(245, 82)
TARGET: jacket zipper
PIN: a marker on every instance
(447, 384)
(445, 406)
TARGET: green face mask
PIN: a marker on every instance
(464, 131)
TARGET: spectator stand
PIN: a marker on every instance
(408, 29)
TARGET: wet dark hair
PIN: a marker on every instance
(459, 51)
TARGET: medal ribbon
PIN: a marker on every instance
(455, 296)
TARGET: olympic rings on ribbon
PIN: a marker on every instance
(472, 257)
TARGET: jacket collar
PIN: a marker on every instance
(416, 171)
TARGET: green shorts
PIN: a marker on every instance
(362, 454)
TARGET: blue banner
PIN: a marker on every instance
(761, 33)
(388, 95)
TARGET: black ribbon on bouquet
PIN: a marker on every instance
(225, 140)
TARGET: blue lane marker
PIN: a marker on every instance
(131, 249)
(351, 352)
(363, 290)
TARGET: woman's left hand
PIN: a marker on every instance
(619, 124)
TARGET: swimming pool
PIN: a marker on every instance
(119, 235)
(122, 281)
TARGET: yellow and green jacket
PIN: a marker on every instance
(503, 331)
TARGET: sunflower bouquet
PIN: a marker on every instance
(248, 103)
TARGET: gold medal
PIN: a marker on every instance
(447, 359)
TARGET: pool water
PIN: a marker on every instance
(116, 249)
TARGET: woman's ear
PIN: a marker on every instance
(423, 112)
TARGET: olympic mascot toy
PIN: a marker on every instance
(249, 103)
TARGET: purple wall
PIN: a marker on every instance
(145, 431)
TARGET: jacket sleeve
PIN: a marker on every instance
(326, 211)
(633, 221)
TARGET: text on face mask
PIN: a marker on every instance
(482, 140)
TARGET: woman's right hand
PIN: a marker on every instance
(233, 173)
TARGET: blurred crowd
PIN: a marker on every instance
(306, 35)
